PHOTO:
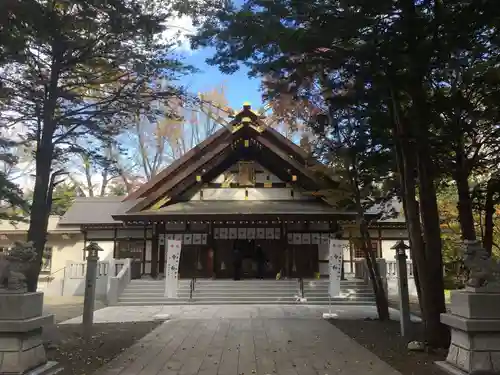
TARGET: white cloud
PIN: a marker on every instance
(178, 29)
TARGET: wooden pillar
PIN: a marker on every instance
(115, 247)
(144, 250)
(286, 247)
(379, 252)
(154, 251)
(283, 245)
(210, 243)
(84, 244)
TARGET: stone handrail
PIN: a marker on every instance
(392, 269)
(78, 270)
(118, 283)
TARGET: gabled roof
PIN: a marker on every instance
(179, 163)
(98, 210)
(249, 139)
(54, 227)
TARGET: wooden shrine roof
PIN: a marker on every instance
(249, 139)
(206, 210)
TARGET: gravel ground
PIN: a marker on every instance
(78, 357)
(383, 339)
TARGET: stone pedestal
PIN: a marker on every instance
(475, 333)
(21, 345)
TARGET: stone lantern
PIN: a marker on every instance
(404, 299)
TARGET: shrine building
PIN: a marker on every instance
(245, 185)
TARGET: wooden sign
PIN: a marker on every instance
(306, 238)
(242, 233)
(233, 233)
(216, 233)
(223, 233)
(269, 233)
(261, 233)
(251, 233)
(315, 239)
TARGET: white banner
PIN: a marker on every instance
(336, 250)
(172, 268)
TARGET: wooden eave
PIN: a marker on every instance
(205, 164)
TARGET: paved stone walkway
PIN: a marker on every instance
(236, 346)
(116, 314)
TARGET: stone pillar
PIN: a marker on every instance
(404, 297)
(21, 344)
(474, 321)
(90, 284)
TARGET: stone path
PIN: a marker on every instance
(116, 314)
(240, 346)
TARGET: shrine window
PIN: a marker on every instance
(132, 249)
(47, 259)
(358, 252)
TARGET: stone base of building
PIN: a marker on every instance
(21, 345)
(475, 333)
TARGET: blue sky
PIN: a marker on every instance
(239, 87)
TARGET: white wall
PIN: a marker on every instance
(392, 287)
(387, 252)
(254, 194)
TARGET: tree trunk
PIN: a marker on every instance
(378, 286)
(40, 208)
(464, 204)
(429, 292)
(402, 185)
(489, 212)
(37, 232)
(435, 303)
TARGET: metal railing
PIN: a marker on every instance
(50, 277)
(192, 287)
(301, 287)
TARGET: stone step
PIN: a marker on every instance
(212, 294)
(249, 291)
(235, 302)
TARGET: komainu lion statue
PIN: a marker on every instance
(13, 266)
(483, 269)
(9, 279)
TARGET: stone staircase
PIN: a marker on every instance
(352, 292)
(221, 292)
